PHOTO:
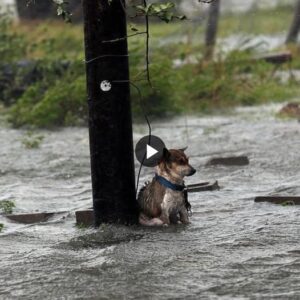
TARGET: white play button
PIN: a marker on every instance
(150, 151)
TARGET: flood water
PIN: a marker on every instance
(233, 248)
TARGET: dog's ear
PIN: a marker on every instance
(166, 154)
(183, 149)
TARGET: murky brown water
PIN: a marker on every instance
(233, 249)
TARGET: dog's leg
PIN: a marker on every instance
(144, 220)
(184, 217)
(164, 217)
(165, 209)
(174, 218)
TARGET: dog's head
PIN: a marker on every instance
(176, 163)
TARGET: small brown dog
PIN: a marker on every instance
(163, 201)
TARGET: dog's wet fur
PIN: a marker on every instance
(160, 205)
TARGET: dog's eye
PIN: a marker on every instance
(182, 161)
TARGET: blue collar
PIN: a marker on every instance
(168, 184)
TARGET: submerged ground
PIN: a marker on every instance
(233, 249)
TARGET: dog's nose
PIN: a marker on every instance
(192, 172)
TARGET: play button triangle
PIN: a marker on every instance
(150, 151)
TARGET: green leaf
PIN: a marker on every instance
(148, 8)
(141, 8)
(163, 11)
(59, 10)
(167, 17)
(167, 6)
(133, 28)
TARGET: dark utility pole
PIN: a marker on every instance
(212, 28)
(110, 124)
(295, 26)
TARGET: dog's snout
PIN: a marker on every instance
(192, 171)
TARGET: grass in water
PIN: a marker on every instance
(32, 140)
(82, 226)
(7, 206)
(32, 143)
(288, 203)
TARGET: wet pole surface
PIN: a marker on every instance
(110, 125)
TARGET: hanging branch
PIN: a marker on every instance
(124, 38)
(163, 11)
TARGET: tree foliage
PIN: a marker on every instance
(163, 11)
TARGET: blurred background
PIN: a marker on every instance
(215, 59)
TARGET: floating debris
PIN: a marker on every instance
(283, 200)
(291, 110)
(229, 161)
(277, 58)
(204, 186)
(85, 217)
(30, 218)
